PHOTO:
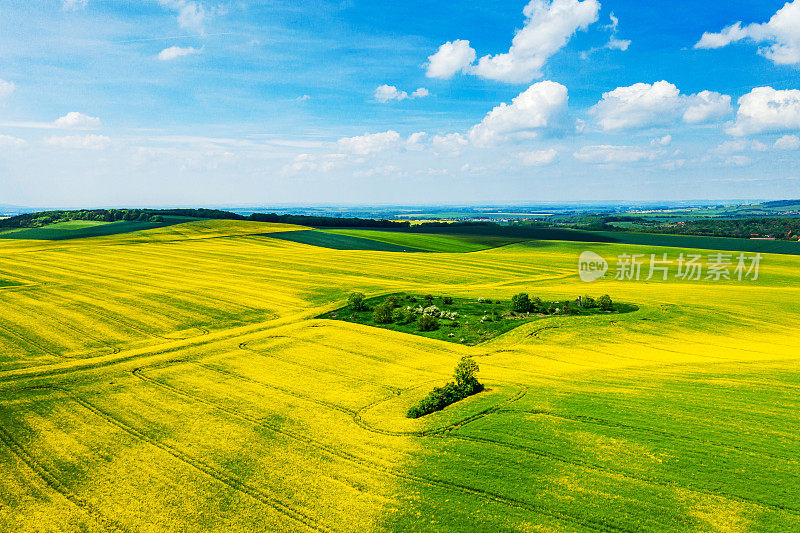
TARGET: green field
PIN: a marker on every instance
(177, 379)
(81, 229)
(431, 242)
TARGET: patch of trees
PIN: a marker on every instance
(328, 222)
(43, 218)
(523, 303)
(465, 384)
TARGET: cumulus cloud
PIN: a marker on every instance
(607, 154)
(385, 93)
(662, 141)
(548, 26)
(6, 89)
(741, 145)
(317, 163)
(538, 157)
(190, 15)
(538, 109)
(73, 5)
(77, 121)
(452, 57)
(450, 144)
(415, 141)
(174, 52)
(765, 109)
(788, 142)
(780, 35)
(7, 141)
(642, 105)
(547, 29)
(90, 142)
(369, 142)
(706, 106)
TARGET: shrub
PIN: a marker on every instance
(382, 313)
(433, 311)
(588, 302)
(605, 303)
(391, 301)
(447, 300)
(427, 323)
(536, 304)
(465, 385)
(356, 301)
(399, 316)
(521, 303)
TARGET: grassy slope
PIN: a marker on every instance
(431, 242)
(81, 229)
(340, 242)
(190, 390)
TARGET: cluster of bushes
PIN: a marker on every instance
(393, 311)
(523, 303)
(466, 384)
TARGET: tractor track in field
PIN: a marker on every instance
(49, 479)
(447, 432)
(377, 467)
(215, 473)
(393, 390)
(616, 473)
(33, 343)
(654, 431)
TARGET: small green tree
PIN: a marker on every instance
(427, 323)
(382, 314)
(465, 373)
(399, 316)
(356, 301)
(588, 302)
(521, 303)
(605, 303)
(536, 304)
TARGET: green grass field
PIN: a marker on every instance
(176, 379)
(81, 229)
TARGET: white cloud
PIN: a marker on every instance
(738, 161)
(369, 142)
(77, 121)
(451, 143)
(190, 15)
(606, 154)
(7, 141)
(6, 89)
(415, 141)
(662, 141)
(642, 105)
(90, 142)
(451, 57)
(547, 29)
(538, 157)
(765, 109)
(73, 5)
(317, 163)
(385, 93)
(303, 98)
(174, 52)
(788, 142)
(780, 35)
(539, 108)
(741, 145)
(706, 106)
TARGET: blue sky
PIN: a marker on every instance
(189, 102)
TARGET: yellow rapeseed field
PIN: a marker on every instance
(177, 380)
